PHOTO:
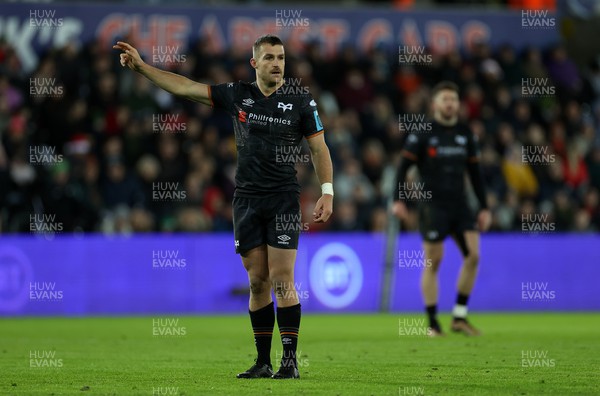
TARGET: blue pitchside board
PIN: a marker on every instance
(200, 273)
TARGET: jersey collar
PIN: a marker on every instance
(261, 94)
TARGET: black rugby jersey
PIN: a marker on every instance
(443, 155)
(268, 133)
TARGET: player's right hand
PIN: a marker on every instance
(130, 56)
(399, 210)
(484, 220)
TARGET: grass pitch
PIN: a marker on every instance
(519, 354)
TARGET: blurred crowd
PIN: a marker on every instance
(107, 127)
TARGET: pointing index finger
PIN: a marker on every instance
(123, 45)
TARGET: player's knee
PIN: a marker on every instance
(259, 286)
(433, 264)
(472, 259)
(281, 283)
(432, 268)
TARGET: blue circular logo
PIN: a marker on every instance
(336, 275)
(15, 275)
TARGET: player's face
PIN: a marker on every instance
(446, 104)
(270, 64)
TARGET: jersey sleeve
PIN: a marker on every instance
(412, 147)
(222, 95)
(310, 122)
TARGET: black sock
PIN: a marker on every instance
(432, 315)
(263, 321)
(288, 320)
(462, 299)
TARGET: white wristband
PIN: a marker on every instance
(327, 188)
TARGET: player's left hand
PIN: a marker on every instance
(130, 56)
(323, 209)
(484, 220)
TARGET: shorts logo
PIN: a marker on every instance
(283, 239)
(237, 243)
(284, 106)
(242, 115)
(247, 102)
(432, 234)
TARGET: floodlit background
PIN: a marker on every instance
(118, 273)
(104, 176)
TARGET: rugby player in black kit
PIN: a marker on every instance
(266, 121)
(443, 155)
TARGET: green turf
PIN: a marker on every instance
(340, 355)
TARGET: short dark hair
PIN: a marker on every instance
(266, 39)
(445, 86)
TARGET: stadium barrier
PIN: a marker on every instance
(201, 274)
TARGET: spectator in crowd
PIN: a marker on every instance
(119, 136)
